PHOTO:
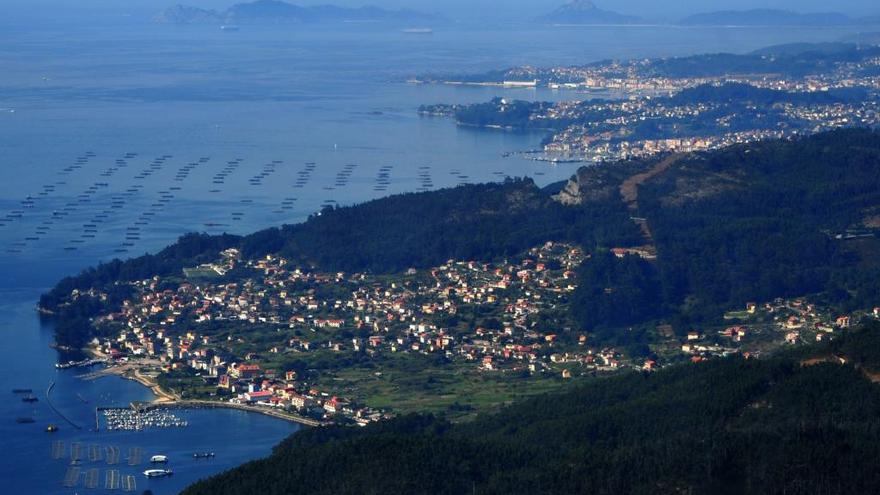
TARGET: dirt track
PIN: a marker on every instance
(629, 189)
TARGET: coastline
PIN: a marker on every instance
(167, 399)
(207, 404)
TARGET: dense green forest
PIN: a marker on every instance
(614, 293)
(725, 426)
(747, 223)
(486, 221)
(755, 222)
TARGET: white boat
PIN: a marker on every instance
(157, 473)
(159, 458)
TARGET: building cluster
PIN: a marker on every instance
(603, 130)
(238, 334)
(640, 77)
(611, 137)
(763, 326)
(506, 318)
(569, 143)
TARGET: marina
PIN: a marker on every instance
(130, 419)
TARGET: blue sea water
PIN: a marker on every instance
(267, 99)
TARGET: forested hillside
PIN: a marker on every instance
(725, 426)
(747, 223)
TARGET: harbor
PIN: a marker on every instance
(80, 364)
(134, 419)
(206, 404)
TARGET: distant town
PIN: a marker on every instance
(642, 107)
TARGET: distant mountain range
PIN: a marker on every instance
(276, 11)
(586, 12)
(770, 17)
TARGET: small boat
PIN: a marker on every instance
(159, 458)
(24, 420)
(157, 473)
(29, 398)
(22, 391)
(51, 429)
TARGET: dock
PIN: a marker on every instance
(203, 404)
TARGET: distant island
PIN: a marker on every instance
(769, 17)
(276, 12)
(586, 12)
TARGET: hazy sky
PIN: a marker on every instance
(505, 9)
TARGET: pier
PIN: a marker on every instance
(56, 411)
(79, 364)
(199, 404)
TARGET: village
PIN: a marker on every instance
(609, 139)
(319, 345)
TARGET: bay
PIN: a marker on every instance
(101, 121)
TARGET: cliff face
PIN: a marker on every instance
(590, 185)
(570, 194)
